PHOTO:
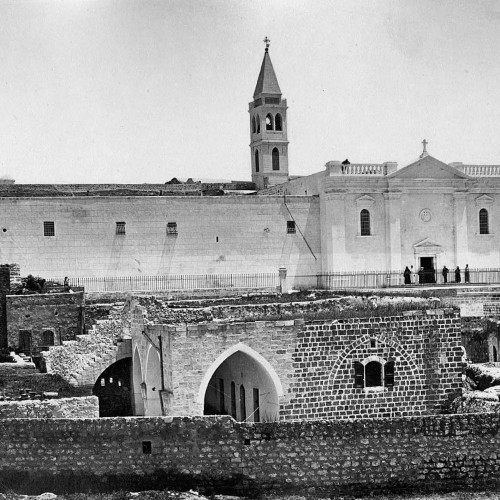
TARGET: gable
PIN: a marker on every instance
(429, 167)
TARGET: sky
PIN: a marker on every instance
(138, 91)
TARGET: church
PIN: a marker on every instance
(348, 217)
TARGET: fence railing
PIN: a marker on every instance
(175, 282)
(383, 279)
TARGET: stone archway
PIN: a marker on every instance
(243, 384)
(152, 402)
(113, 390)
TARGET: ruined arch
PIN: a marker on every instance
(112, 387)
(247, 368)
(152, 380)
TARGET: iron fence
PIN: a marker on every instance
(383, 279)
(175, 282)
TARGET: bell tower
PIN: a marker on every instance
(268, 128)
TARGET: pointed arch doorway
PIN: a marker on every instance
(243, 384)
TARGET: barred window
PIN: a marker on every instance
(49, 228)
(483, 221)
(290, 226)
(120, 228)
(172, 228)
(364, 218)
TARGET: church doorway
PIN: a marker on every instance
(428, 264)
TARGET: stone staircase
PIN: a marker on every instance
(82, 360)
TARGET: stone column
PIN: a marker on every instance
(393, 231)
(461, 237)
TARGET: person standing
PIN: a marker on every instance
(421, 276)
(467, 273)
(445, 274)
(458, 278)
(407, 275)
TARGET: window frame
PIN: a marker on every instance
(484, 212)
(275, 159)
(172, 229)
(278, 122)
(120, 228)
(49, 228)
(257, 161)
(365, 226)
(387, 374)
(291, 227)
(270, 125)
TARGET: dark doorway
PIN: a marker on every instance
(429, 270)
(113, 390)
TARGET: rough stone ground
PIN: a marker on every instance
(191, 495)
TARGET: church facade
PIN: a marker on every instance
(347, 217)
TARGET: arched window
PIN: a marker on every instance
(233, 400)
(374, 373)
(269, 122)
(258, 124)
(276, 159)
(364, 219)
(257, 166)
(278, 122)
(483, 221)
(254, 127)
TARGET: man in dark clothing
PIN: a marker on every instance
(445, 274)
(458, 279)
(407, 275)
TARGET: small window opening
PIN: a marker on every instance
(103, 382)
(254, 127)
(217, 239)
(256, 405)
(233, 400)
(257, 165)
(49, 228)
(373, 343)
(364, 218)
(269, 122)
(290, 226)
(243, 404)
(172, 228)
(110, 380)
(276, 159)
(373, 374)
(120, 228)
(258, 124)
(48, 338)
(146, 447)
(483, 221)
(222, 403)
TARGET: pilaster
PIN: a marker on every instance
(461, 235)
(393, 231)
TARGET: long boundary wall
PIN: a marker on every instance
(434, 452)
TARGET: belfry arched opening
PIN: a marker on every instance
(242, 387)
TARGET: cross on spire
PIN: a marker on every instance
(267, 41)
(424, 152)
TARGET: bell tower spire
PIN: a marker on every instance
(268, 128)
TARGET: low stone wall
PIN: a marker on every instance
(316, 457)
(87, 407)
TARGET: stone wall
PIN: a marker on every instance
(312, 364)
(59, 313)
(4, 290)
(319, 457)
(86, 407)
(225, 234)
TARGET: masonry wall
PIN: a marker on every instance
(313, 361)
(420, 453)
(85, 407)
(221, 234)
(60, 313)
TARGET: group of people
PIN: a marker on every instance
(429, 276)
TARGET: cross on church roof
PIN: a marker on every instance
(424, 152)
(267, 41)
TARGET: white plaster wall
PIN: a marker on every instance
(251, 234)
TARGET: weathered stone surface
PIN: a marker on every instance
(87, 407)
